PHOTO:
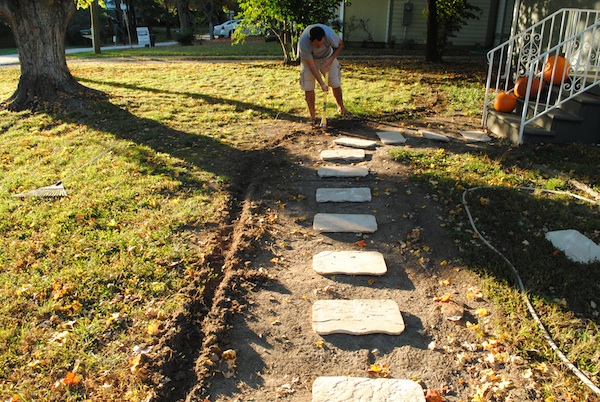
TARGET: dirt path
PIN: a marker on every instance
(278, 356)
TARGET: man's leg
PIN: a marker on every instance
(339, 99)
(310, 102)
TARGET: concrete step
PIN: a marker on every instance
(357, 389)
(343, 171)
(357, 317)
(350, 262)
(354, 194)
(344, 223)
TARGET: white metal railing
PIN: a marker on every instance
(570, 33)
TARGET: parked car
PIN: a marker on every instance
(225, 30)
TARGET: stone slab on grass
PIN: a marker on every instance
(349, 155)
(434, 136)
(391, 137)
(344, 223)
(475, 136)
(356, 389)
(355, 194)
(355, 142)
(357, 317)
(343, 171)
(576, 246)
(349, 263)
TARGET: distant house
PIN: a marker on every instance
(398, 22)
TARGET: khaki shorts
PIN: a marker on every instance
(307, 80)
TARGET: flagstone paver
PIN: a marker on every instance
(344, 223)
(357, 317)
(350, 262)
(355, 194)
(351, 155)
(391, 137)
(575, 245)
(343, 171)
(355, 142)
(356, 389)
(475, 136)
(435, 136)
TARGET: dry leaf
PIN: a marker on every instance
(444, 299)
(433, 396)
(481, 312)
(379, 370)
(319, 344)
(361, 243)
(153, 327)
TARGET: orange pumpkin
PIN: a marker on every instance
(521, 87)
(559, 66)
(505, 102)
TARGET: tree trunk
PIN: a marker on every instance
(39, 28)
(185, 17)
(432, 52)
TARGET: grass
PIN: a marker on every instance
(88, 280)
(515, 221)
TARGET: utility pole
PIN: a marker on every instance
(94, 10)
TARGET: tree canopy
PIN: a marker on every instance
(285, 19)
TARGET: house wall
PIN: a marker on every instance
(532, 11)
(374, 13)
(492, 27)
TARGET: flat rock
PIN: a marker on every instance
(576, 246)
(351, 155)
(357, 317)
(391, 137)
(344, 223)
(343, 171)
(349, 263)
(357, 194)
(475, 136)
(355, 142)
(435, 136)
(356, 389)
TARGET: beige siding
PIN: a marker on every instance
(416, 31)
(375, 11)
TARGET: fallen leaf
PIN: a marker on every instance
(319, 344)
(379, 370)
(481, 312)
(433, 396)
(361, 243)
(371, 281)
(153, 327)
(444, 299)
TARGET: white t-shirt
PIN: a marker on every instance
(306, 49)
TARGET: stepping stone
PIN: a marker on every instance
(344, 223)
(431, 135)
(475, 136)
(360, 194)
(356, 389)
(343, 171)
(343, 154)
(391, 137)
(357, 317)
(349, 263)
(355, 142)
(576, 246)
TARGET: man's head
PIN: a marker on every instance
(316, 35)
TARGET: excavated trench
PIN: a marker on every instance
(180, 369)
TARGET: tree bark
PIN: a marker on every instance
(432, 50)
(39, 28)
(185, 17)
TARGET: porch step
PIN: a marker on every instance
(506, 125)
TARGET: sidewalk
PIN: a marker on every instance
(13, 59)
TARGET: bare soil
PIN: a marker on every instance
(260, 306)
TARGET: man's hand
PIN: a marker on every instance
(324, 86)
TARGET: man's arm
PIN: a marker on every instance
(335, 54)
(316, 73)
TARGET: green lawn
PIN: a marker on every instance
(90, 278)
